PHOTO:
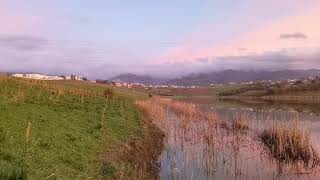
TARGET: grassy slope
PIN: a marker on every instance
(66, 133)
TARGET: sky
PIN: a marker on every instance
(167, 38)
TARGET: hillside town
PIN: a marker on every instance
(140, 85)
(128, 85)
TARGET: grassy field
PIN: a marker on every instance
(59, 130)
(205, 92)
(301, 89)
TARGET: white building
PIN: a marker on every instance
(74, 77)
(18, 75)
(38, 76)
(118, 84)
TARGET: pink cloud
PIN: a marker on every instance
(261, 39)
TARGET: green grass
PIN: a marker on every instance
(71, 124)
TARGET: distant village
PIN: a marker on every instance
(48, 77)
(117, 83)
(123, 84)
(287, 82)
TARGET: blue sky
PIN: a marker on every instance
(168, 37)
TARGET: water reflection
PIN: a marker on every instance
(196, 149)
(264, 113)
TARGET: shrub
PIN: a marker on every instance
(107, 170)
(109, 93)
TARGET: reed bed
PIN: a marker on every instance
(180, 108)
(197, 144)
(196, 135)
(240, 122)
(154, 111)
(184, 110)
(290, 143)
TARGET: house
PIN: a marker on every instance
(118, 84)
(137, 85)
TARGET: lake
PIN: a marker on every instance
(198, 150)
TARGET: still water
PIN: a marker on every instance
(197, 150)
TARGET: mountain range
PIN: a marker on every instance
(144, 79)
(219, 77)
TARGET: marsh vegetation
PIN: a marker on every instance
(289, 143)
(201, 145)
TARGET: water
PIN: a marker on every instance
(195, 149)
(264, 113)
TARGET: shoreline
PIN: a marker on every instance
(284, 97)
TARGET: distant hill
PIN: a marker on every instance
(238, 76)
(133, 78)
(219, 77)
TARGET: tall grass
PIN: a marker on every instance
(153, 110)
(180, 108)
(199, 145)
(183, 110)
(240, 122)
(289, 143)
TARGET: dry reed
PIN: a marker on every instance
(187, 111)
(289, 142)
(28, 131)
(240, 122)
(189, 130)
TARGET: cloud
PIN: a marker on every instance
(282, 59)
(293, 36)
(258, 41)
(22, 42)
(301, 58)
(24, 53)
